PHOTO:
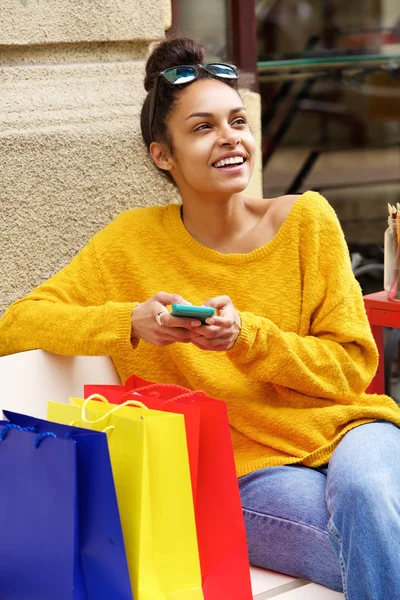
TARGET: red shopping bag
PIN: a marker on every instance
(219, 519)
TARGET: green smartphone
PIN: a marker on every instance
(192, 312)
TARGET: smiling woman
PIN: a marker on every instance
(211, 147)
(288, 349)
(166, 84)
(196, 129)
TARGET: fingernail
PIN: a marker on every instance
(195, 323)
(210, 321)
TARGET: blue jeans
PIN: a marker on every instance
(338, 525)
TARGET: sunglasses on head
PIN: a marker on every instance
(184, 74)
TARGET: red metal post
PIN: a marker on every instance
(381, 313)
(244, 45)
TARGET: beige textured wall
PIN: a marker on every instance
(252, 102)
(71, 155)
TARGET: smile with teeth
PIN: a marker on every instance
(232, 160)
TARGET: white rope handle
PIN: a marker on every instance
(107, 429)
(110, 412)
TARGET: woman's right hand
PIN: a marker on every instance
(173, 329)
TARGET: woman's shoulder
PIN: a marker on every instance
(131, 228)
(281, 207)
(136, 218)
(307, 209)
(139, 214)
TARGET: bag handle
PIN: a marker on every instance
(133, 393)
(42, 436)
(162, 386)
(110, 412)
(9, 426)
(187, 396)
(76, 424)
(186, 393)
(31, 429)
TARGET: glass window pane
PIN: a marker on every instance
(349, 114)
(207, 21)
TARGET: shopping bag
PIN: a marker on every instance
(191, 413)
(219, 518)
(151, 472)
(62, 536)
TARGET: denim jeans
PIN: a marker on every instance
(338, 525)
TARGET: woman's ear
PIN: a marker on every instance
(161, 155)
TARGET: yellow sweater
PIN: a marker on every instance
(294, 381)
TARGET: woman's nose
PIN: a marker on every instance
(229, 138)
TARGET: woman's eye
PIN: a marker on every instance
(240, 121)
(202, 127)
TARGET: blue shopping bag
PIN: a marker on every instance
(59, 519)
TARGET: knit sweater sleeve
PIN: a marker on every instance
(69, 314)
(334, 355)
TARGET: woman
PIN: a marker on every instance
(289, 350)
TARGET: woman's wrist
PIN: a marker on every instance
(134, 333)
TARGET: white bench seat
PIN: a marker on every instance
(267, 584)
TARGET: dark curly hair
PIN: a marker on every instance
(171, 52)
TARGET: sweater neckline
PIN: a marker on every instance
(180, 235)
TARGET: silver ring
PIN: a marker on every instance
(158, 318)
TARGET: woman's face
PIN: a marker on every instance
(213, 147)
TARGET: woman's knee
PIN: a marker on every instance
(365, 464)
(363, 499)
(368, 445)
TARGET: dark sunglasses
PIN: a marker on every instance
(186, 74)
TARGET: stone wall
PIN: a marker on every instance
(71, 154)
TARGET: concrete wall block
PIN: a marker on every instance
(55, 95)
(252, 102)
(167, 14)
(71, 158)
(29, 22)
(62, 185)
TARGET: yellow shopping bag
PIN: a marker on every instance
(151, 472)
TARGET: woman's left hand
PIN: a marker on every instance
(222, 330)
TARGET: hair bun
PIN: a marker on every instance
(172, 52)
